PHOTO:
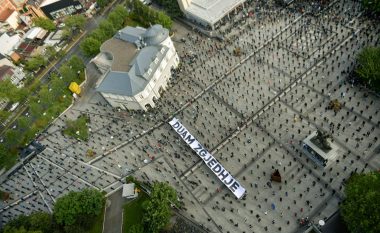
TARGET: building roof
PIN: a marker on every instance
(5, 71)
(155, 35)
(211, 11)
(129, 74)
(121, 60)
(131, 34)
(35, 32)
(128, 190)
(15, 57)
(8, 43)
(5, 14)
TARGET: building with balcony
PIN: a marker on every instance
(136, 65)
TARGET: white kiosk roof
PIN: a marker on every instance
(211, 11)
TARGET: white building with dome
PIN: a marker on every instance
(136, 66)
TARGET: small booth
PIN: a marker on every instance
(129, 191)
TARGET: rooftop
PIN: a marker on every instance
(212, 11)
(5, 71)
(5, 14)
(132, 68)
(121, 60)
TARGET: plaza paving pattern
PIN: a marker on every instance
(250, 111)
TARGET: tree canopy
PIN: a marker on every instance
(40, 222)
(77, 208)
(360, 210)
(115, 21)
(44, 23)
(171, 7)
(102, 3)
(372, 5)
(369, 66)
(75, 212)
(157, 208)
(34, 63)
(148, 16)
(75, 22)
(9, 91)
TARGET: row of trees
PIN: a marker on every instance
(73, 23)
(44, 23)
(74, 212)
(46, 103)
(147, 16)
(171, 7)
(107, 28)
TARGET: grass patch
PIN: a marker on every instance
(78, 128)
(133, 213)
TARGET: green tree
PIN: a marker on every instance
(136, 229)
(372, 5)
(12, 138)
(164, 20)
(360, 209)
(8, 90)
(115, 19)
(50, 52)
(76, 63)
(45, 96)
(74, 22)
(4, 115)
(34, 63)
(58, 86)
(102, 3)
(157, 208)
(18, 230)
(90, 46)
(171, 6)
(77, 208)
(44, 23)
(68, 74)
(99, 35)
(41, 221)
(23, 123)
(369, 66)
(107, 27)
(35, 108)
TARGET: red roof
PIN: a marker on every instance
(5, 14)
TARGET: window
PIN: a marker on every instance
(149, 71)
(156, 60)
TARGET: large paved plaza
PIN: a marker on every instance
(250, 111)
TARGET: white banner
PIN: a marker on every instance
(209, 160)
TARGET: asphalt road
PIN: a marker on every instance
(113, 215)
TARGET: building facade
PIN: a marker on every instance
(136, 65)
